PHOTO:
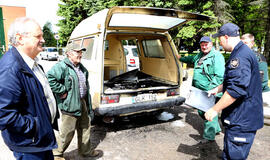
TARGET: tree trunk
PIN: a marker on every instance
(267, 37)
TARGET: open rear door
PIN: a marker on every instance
(148, 19)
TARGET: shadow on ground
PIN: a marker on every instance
(142, 120)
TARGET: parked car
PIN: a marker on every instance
(49, 53)
(132, 58)
(155, 84)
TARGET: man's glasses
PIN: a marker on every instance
(77, 53)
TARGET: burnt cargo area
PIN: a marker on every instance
(133, 80)
(134, 61)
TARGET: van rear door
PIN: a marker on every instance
(148, 19)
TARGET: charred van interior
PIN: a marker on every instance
(133, 80)
(154, 62)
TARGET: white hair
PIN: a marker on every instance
(18, 27)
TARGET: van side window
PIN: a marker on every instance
(153, 48)
(77, 41)
(88, 43)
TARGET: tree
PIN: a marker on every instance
(191, 32)
(267, 38)
(74, 11)
(48, 35)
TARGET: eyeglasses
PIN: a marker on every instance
(77, 53)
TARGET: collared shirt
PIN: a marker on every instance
(82, 81)
(208, 69)
(242, 82)
(33, 64)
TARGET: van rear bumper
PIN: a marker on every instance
(143, 106)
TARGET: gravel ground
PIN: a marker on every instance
(151, 136)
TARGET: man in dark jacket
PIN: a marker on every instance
(27, 104)
(241, 103)
(69, 82)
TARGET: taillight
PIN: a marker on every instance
(172, 92)
(109, 99)
(132, 61)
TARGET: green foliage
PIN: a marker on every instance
(73, 12)
(48, 35)
(249, 15)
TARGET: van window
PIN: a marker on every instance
(77, 41)
(153, 48)
(88, 43)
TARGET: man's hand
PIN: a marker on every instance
(63, 96)
(212, 91)
(210, 114)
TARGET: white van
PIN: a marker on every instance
(49, 53)
(155, 84)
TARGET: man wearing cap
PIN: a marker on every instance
(241, 102)
(208, 74)
(69, 82)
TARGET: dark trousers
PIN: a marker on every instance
(46, 155)
(237, 143)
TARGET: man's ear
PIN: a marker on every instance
(19, 38)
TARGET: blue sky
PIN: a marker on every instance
(41, 10)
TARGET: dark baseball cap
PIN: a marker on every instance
(228, 29)
(205, 39)
(75, 47)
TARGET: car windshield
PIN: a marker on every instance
(134, 52)
(125, 51)
(52, 50)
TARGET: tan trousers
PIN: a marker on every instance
(67, 129)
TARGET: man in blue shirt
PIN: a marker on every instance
(27, 105)
(241, 103)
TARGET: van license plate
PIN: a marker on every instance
(144, 97)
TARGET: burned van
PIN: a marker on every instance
(155, 83)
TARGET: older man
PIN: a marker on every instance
(27, 104)
(248, 39)
(69, 82)
(208, 74)
(241, 102)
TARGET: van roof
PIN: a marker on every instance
(134, 18)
